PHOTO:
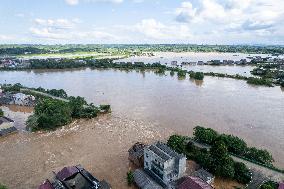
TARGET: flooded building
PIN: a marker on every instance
(6, 126)
(75, 177)
(163, 163)
(136, 154)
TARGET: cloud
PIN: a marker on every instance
(66, 30)
(56, 23)
(6, 37)
(243, 18)
(156, 30)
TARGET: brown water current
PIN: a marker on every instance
(145, 107)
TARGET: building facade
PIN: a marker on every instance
(164, 164)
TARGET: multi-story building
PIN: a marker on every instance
(164, 164)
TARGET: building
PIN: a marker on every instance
(204, 175)
(163, 164)
(23, 99)
(144, 181)
(136, 154)
(74, 177)
(192, 183)
(6, 126)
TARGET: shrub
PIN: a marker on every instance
(1, 113)
(130, 178)
(205, 135)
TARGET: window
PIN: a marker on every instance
(147, 155)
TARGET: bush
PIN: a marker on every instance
(105, 108)
(260, 81)
(205, 135)
(52, 114)
(181, 73)
(3, 187)
(197, 75)
(176, 142)
(130, 178)
(242, 173)
(1, 113)
(269, 185)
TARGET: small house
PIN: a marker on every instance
(6, 126)
(136, 154)
(204, 175)
(192, 183)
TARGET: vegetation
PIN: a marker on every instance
(217, 160)
(234, 144)
(197, 75)
(54, 92)
(1, 113)
(51, 113)
(135, 49)
(12, 88)
(269, 185)
(260, 81)
(3, 187)
(130, 178)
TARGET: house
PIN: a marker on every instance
(192, 183)
(136, 154)
(6, 126)
(204, 175)
(174, 63)
(23, 99)
(163, 164)
(144, 181)
(74, 177)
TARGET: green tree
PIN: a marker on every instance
(242, 173)
(3, 187)
(52, 113)
(1, 113)
(205, 135)
(235, 145)
(176, 142)
(222, 164)
(130, 178)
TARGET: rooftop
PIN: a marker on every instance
(164, 151)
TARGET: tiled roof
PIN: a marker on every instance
(192, 183)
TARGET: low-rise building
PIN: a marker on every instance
(74, 177)
(204, 175)
(192, 183)
(6, 126)
(136, 154)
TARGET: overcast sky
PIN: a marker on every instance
(142, 21)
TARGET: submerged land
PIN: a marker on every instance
(154, 92)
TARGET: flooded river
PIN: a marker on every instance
(145, 106)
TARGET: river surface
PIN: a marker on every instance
(168, 57)
(160, 102)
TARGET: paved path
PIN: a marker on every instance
(45, 94)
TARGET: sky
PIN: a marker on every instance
(142, 21)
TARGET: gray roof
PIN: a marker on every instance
(144, 181)
(164, 151)
(203, 174)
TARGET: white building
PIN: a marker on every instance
(23, 99)
(163, 163)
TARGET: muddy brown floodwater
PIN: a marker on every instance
(100, 145)
(146, 107)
